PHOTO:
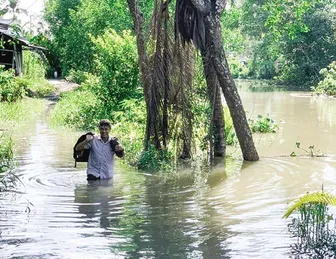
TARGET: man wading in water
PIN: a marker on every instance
(103, 148)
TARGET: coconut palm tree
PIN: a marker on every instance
(198, 21)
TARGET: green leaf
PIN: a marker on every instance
(317, 197)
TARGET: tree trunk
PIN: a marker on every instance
(217, 129)
(185, 63)
(243, 131)
(145, 69)
(146, 77)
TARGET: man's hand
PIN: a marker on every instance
(118, 148)
(89, 138)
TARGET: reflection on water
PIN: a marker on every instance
(231, 211)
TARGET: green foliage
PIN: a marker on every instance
(20, 111)
(78, 76)
(10, 90)
(6, 153)
(230, 134)
(129, 126)
(328, 84)
(296, 43)
(263, 62)
(311, 198)
(79, 109)
(154, 160)
(233, 38)
(238, 68)
(309, 52)
(100, 95)
(314, 227)
(33, 84)
(34, 67)
(72, 23)
(263, 125)
(35, 87)
(117, 66)
(288, 17)
(53, 60)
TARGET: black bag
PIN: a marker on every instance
(81, 156)
(114, 141)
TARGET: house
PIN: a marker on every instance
(11, 47)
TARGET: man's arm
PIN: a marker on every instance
(120, 151)
(82, 144)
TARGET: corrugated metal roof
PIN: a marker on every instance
(10, 33)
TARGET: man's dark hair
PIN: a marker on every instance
(105, 122)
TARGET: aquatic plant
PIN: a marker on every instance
(311, 151)
(263, 125)
(314, 227)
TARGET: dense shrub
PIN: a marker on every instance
(117, 65)
(328, 84)
(10, 90)
(78, 109)
(77, 76)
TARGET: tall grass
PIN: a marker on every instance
(13, 116)
(6, 153)
(20, 111)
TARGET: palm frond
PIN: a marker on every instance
(317, 197)
(189, 23)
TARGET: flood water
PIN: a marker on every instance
(231, 212)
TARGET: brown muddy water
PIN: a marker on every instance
(231, 212)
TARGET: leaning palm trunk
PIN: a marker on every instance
(243, 131)
(199, 21)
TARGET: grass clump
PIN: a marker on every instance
(20, 111)
(6, 153)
